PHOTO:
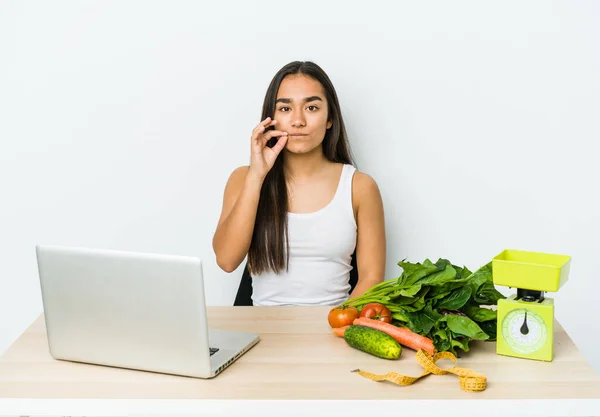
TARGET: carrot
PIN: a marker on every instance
(402, 335)
(339, 331)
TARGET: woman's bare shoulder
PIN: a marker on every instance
(364, 188)
(236, 180)
(239, 173)
(363, 183)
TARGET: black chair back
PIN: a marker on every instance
(244, 292)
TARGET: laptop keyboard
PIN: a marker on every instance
(213, 351)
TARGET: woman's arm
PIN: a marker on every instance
(370, 245)
(233, 236)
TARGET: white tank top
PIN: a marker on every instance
(320, 250)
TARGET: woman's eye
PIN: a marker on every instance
(310, 108)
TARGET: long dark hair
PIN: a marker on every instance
(270, 239)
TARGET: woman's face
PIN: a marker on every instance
(301, 110)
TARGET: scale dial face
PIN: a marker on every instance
(524, 331)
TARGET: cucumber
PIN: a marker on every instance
(372, 341)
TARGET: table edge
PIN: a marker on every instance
(265, 408)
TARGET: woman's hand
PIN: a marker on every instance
(262, 157)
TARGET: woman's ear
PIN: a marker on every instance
(329, 124)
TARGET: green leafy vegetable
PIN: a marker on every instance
(456, 299)
(464, 326)
(479, 314)
(441, 301)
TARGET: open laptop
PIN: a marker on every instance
(132, 310)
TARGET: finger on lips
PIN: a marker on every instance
(272, 133)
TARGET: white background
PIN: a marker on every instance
(121, 121)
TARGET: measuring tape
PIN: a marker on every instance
(468, 380)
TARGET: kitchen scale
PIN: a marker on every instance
(526, 319)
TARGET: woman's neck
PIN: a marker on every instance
(302, 167)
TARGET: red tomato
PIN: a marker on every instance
(376, 311)
(341, 316)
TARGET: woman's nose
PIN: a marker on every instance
(298, 121)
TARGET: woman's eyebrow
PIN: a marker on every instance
(306, 100)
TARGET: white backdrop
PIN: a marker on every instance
(121, 121)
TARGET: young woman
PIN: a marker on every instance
(301, 209)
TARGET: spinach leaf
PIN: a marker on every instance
(408, 267)
(488, 294)
(480, 277)
(441, 291)
(456, 299)
(462, 273)
(442, 263)
(408, 280)
(442, 339)
(422, 322)
(461, 342)
(440, 277)
(480, 314)
(490, 328)
(464, 326)
(410, 291)
(416, 305)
